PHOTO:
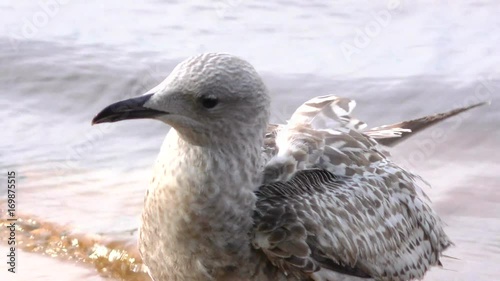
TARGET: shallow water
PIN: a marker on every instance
(61, 65)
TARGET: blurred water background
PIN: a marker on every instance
(63, 61)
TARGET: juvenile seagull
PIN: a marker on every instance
(234, 198)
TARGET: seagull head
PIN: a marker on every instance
(205, 97)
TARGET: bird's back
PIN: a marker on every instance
(332, 201)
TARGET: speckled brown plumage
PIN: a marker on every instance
(332, 199)
(235, 198)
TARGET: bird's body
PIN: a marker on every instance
(234, 198)
(191, 213)
(217, 221)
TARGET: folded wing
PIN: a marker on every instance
(332, 201)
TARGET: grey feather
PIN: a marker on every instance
(390, 135)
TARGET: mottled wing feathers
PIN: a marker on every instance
(332, 200)
(319, 221)
(338, 146)
(327, 112)
(301, 143)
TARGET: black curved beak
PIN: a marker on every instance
(127, 109)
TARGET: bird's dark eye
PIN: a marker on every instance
(209, 101)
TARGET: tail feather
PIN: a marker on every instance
(390, 135)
